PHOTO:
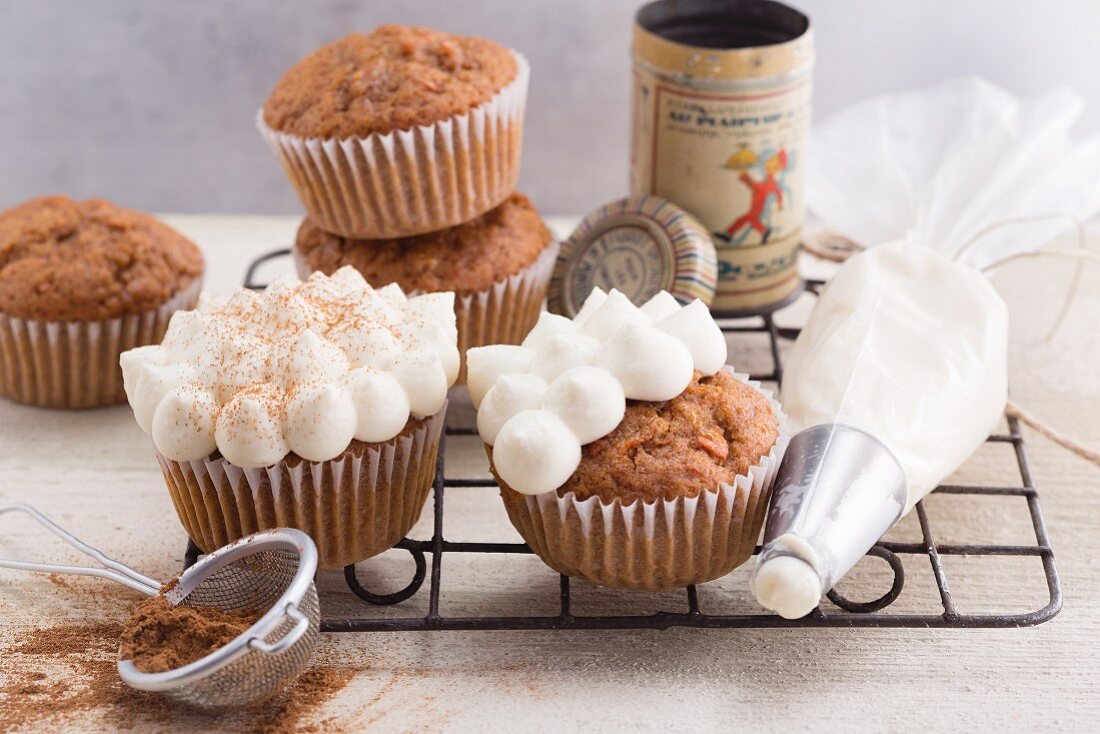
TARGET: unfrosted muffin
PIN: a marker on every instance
(81, 282)
(627, 453)
(315, 405)
(498, 265)
(399, 131)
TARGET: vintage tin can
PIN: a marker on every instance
(721, 111)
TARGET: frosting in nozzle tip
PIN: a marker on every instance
(788, 586)
(567, 384)
(303, 367)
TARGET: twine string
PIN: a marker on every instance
(1078, 271)
(1048, 432)
(831, 246)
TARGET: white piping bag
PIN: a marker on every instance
(899, 376)
(901, 371)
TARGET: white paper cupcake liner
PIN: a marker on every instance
(74, 364)
(652, 546)
(354, 506)
(503, 313)
(506, 311)
(407, 182)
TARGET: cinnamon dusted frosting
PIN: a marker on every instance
(568, 383)
(302, 368)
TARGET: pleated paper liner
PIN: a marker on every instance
(503, 313)
(74, 364)
(653, 546)
(354, 506)
(406, 182)
(506, 311)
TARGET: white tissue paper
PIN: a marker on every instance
(938, 165)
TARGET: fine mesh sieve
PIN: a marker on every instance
(269, 572)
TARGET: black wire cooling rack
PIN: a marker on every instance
(843, 612)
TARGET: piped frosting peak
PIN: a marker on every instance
(568, 383)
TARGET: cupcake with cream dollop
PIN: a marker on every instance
(326, 396)
(627, 452)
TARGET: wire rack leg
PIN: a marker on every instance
(396, 597)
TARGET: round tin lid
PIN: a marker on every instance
(639, 245)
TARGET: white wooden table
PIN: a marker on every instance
(94, 472)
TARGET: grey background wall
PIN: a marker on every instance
(151, 104)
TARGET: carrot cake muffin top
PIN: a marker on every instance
(709, 434)
(395, 77)
(632, 375)
(467, 258)
(65, 260)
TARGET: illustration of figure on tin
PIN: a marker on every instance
(771, 166)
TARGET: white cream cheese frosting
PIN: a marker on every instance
(303, 367)
(568, 383)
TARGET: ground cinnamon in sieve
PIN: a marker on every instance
(160, 637)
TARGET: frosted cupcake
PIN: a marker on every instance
(498, 265)
(81, 282)
(315, 405)
(400, 131)
(627, 453)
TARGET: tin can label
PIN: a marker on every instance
(732, 155)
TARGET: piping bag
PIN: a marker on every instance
(901, 372)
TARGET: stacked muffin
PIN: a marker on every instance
(404, 148)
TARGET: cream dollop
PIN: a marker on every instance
(186, 405)
(509, 395)
(568, 383)
(320, 420)
(538, 447)
(589, 400)
(485, 364)
(629, 356)
(382, 404)
(303, 367)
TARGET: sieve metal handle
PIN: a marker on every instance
(300, 627)
(112, 570)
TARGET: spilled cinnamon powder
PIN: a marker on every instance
(312, 691)
(58, 676)
(162, 637)
(65, 677)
